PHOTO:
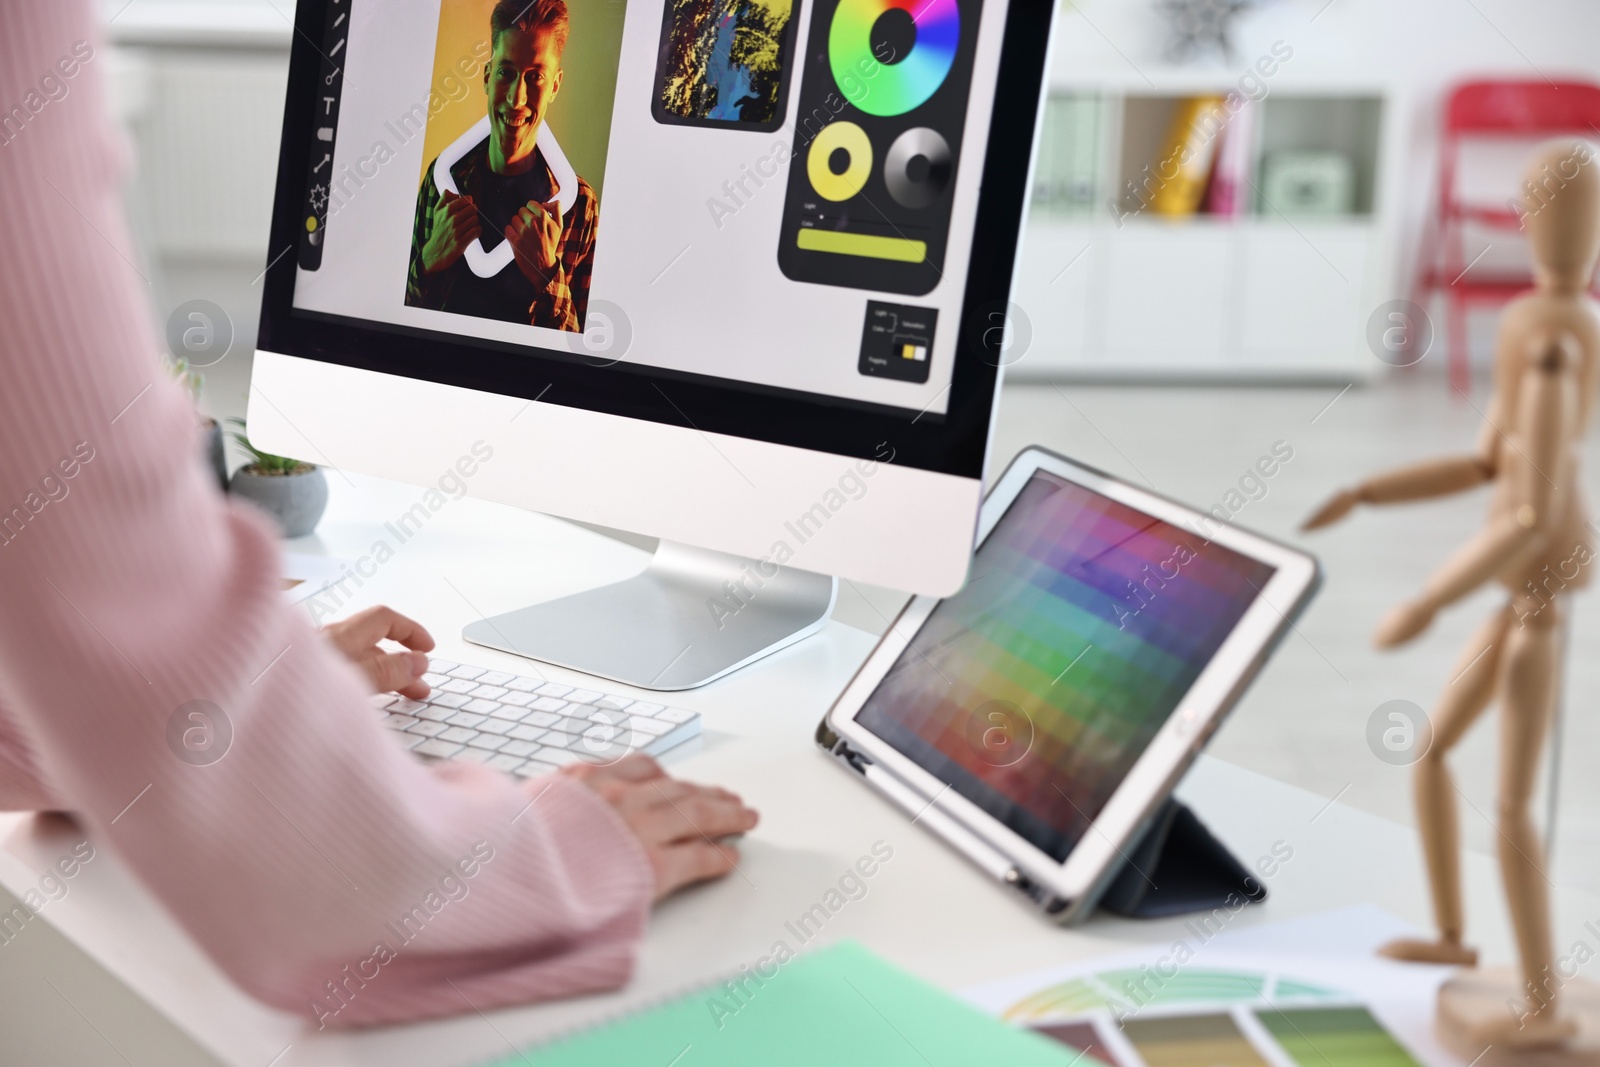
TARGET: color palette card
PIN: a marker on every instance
(1308, 992)
(839, 1007)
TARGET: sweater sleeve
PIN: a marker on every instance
(326, 871)
(23, 786)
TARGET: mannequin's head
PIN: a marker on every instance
(1561, 212)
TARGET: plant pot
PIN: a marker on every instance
(216, 456)
(296, 501)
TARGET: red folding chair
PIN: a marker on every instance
(1489, 109)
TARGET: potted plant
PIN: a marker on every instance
(216, 457)
(292, 492)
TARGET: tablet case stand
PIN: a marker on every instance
(1178, 867)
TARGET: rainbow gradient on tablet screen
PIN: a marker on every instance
(1035, 689)
(893, 87)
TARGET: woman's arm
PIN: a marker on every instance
(326, 871)
(23, 786)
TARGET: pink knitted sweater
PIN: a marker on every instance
(323, 869)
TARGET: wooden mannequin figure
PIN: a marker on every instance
(1538, 544)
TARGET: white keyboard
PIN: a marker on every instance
(528, 726)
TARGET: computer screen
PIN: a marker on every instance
(754, 193)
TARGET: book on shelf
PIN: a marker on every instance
(1066, 178)
(1230, 176)
(1183, 167)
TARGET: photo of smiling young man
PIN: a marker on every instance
(508, 191)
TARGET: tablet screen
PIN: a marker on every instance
(1034, 690)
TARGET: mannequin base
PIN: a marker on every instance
(1415, 951)
(1476, 1022)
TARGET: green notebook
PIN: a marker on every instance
(835, 1007)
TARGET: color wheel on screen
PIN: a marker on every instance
(895, 85)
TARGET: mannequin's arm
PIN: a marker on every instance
(1546, 412)
(1421, 481)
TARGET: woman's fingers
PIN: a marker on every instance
(694, 816)
(398, 672)
(691, 862)
(679, 824)
(381, 623)
(635, 768)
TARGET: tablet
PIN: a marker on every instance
(1037, 719)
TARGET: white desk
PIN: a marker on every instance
(926, 909)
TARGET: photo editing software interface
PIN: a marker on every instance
(741, 189)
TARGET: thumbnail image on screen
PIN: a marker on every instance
(724, 62)
(1035, 689)
(505, 223)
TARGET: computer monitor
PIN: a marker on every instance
(730, 273)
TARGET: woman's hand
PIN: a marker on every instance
(679, 824)
(399, 672)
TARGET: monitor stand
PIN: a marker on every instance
(691, 616)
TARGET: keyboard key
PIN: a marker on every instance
(434, 680)
(639, 707)
(571, 726)
(553, 689)
(473, 755)
(508, 713)
(534, 768)
(437, 748)
(523, 685)
(427, 729)
(557, 756)
(448, 700)
(673, 715)
(584, 696)
(458, 685)
(651, 727)
(399, 722)
(610, 703)
(495, 678)
(540, 718)
(520, 749)
(495, 726)
(549, 704)
(466, 672)
(528, 733)
(479, 706)
(487, 742)
(441, 666)
(406, 706)
(459, 734)
(506, 763)
(465, 718)
(518, 700)
(407, 740)
(383, 700)
(434, 713)
(555, 739)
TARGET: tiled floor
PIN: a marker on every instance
(1305, 720)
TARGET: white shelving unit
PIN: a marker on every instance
(1258, 295)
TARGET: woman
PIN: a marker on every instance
(322, 868)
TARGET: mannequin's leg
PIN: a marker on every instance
(1528, 684)
(1463, 701)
